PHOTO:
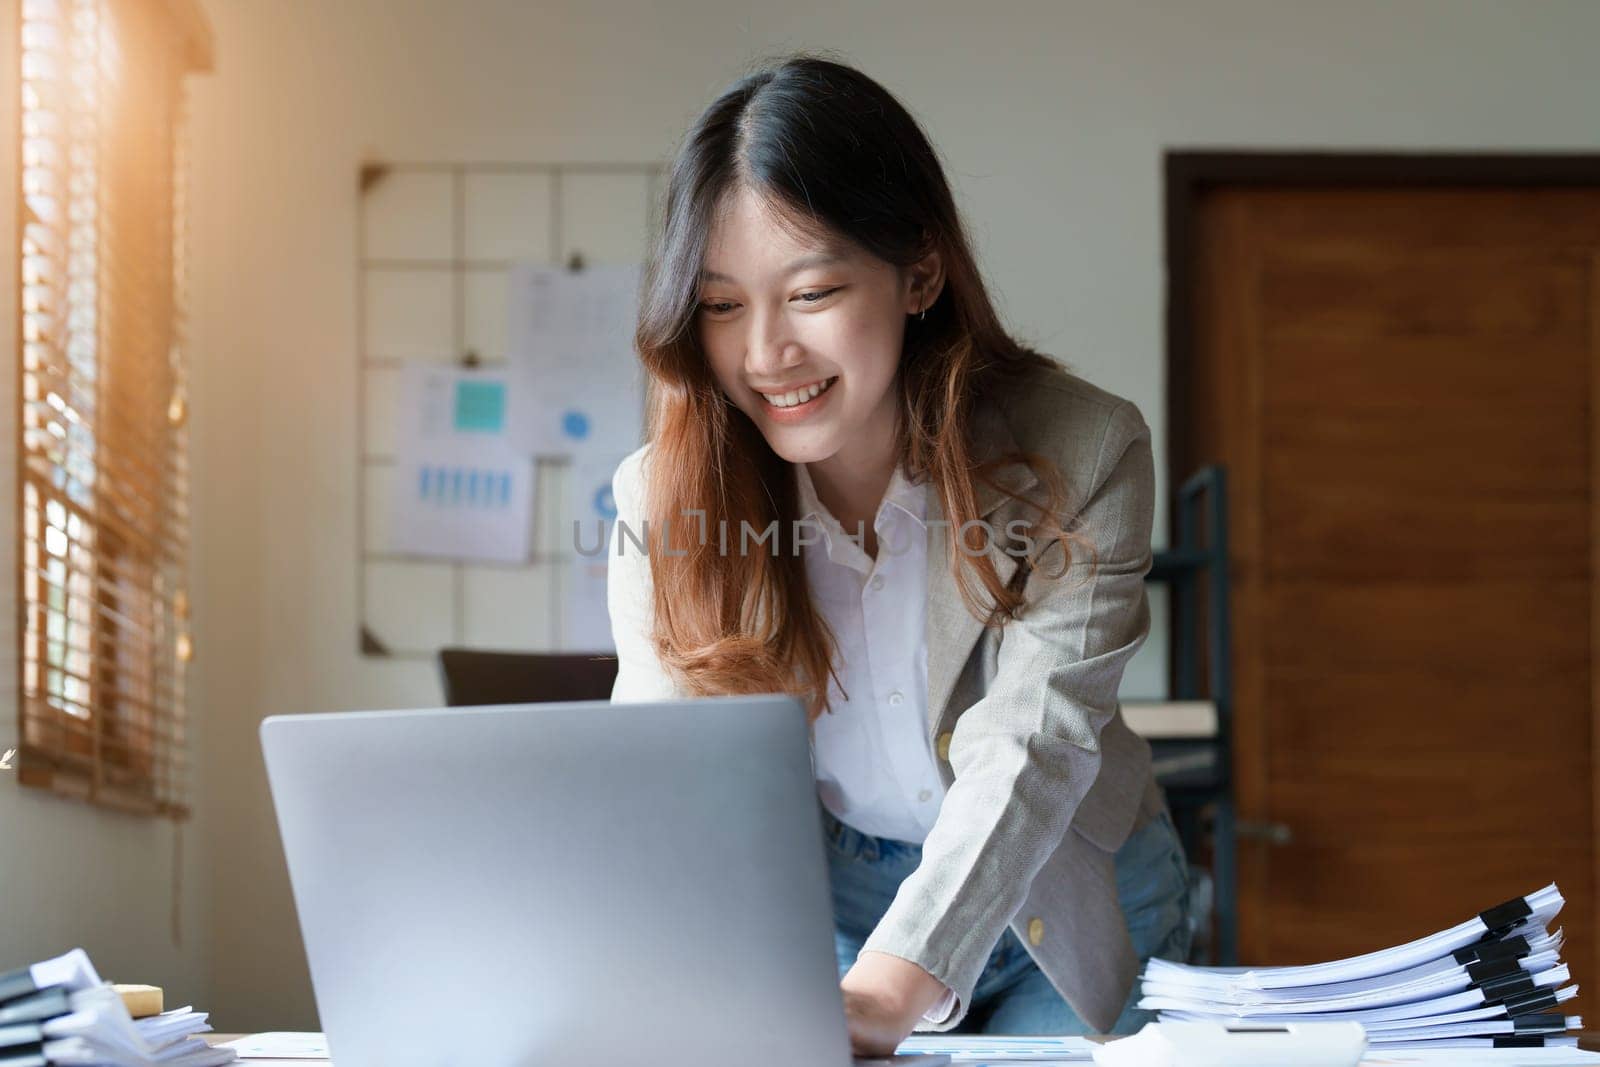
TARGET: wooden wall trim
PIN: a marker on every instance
(1594, 565)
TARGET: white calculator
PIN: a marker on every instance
(1213, 1044)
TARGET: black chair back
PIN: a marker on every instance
(474, 678)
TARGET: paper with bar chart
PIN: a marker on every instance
(461, 490)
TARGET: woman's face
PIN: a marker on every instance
(804, 339)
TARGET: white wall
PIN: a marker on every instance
(71, 874)
(1052, 118)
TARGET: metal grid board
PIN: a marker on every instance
(434, 245)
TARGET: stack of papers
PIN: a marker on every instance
(60, 1012)
(1494, 981)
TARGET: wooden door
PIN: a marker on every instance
(1402, 384)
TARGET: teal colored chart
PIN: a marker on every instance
(480, 407)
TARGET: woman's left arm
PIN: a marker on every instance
(1026, 753)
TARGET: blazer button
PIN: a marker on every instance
(944, 746)
(1035, 931)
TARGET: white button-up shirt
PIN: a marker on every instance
(874, 766)
(876, 769)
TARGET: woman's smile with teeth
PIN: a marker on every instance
(795, 397)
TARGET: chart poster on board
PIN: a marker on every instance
(576, 383)
(462, 490)
(588, 622)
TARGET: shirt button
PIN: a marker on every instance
(944, 746)
(925, 796)
(877, 581)
(896, 699)
(1035, 931)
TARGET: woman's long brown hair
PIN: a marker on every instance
(836, 156)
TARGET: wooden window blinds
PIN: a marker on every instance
(103, 468)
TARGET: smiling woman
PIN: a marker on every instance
(825, 359)
(800, 322)
(782, 265)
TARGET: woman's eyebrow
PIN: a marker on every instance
(815, 259)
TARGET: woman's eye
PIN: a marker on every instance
(722, 307)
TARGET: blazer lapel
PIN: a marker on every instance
(952, 630)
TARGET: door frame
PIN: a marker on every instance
(1190, 172)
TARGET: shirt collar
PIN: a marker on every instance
(901, 493)
(909, 498)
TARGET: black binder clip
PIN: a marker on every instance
(1486, 951)
(575, 262)
(1540, 1024)
(1486, 971)
(1529, 1004)
(1507, 988)
(1503, 918)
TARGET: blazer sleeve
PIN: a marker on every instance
(629, 593)
(1025, 754)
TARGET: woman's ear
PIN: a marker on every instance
(924, 282)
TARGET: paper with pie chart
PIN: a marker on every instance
(577, 385)
(588, 622)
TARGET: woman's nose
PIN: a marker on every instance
(771, 348)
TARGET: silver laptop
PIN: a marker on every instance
(567, 884)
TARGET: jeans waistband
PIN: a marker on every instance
(856, 844)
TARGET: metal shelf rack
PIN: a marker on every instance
(1197, 773)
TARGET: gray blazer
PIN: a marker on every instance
(1045, 780)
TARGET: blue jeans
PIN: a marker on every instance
(1012, 995)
